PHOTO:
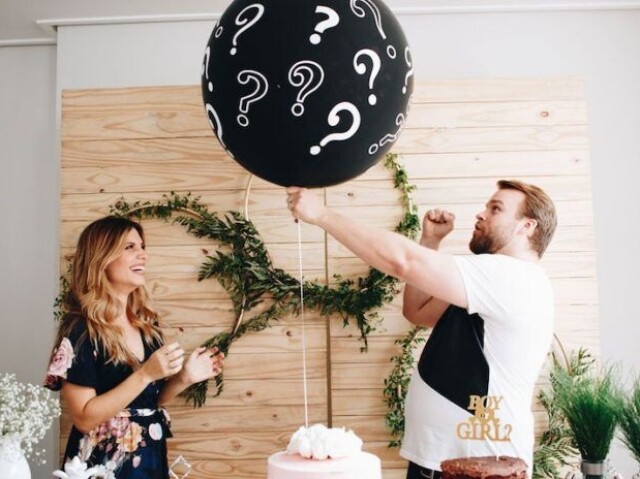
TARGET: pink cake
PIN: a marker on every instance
(283, 465)
(318, 452)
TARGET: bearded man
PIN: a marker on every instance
(492, 319)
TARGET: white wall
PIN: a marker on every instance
(131, 55)
(29, 225)
(601, 46)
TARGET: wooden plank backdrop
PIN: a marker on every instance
(461, 136)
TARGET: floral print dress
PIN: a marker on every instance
(132, 444)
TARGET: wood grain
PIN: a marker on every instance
(460, 137)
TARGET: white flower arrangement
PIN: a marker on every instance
(77, 469)
(26, 413)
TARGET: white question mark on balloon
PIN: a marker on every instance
(375, 11)
(407, 59)
(391, 51)
(205, 66)
(248, 23)
(361, 69)
(359, 11)
(332, 20)
(333, 120)
(297, 74)
(262, 87)
(217, 128)
(389, 137)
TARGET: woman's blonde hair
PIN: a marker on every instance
(91, 299)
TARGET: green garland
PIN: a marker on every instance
(244, 269)
(397, 383)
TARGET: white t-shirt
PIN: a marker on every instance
(471, 393)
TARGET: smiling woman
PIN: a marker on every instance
(127, 271)
(110, 359)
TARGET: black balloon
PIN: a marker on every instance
(305, 92)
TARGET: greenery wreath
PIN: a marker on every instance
(244, 268)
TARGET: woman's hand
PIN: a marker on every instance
(202, 364)
(164, 362)
(305, 205)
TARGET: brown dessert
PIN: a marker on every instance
(488, 467)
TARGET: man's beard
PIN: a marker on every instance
(481, 243)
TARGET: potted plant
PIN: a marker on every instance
(556, 448)
(592, 405)
(26, 413)
(630, 421)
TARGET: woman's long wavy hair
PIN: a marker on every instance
(91, 298)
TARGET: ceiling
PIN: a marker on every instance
(18, 18)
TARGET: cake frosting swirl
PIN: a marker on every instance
(320, 442)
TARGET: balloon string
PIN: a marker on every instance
(304, 345)
(246, 197)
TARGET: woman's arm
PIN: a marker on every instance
(202, 364)
(428, 270)
(88, 410)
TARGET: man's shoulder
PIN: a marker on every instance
(484, 259)
(499, 259)
(500, 268)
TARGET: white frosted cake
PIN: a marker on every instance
(321, 453)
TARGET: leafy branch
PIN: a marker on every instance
(396, 384)
(410, 223)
